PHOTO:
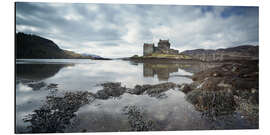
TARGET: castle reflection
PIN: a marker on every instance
(161, 70)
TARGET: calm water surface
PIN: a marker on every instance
(172, 112)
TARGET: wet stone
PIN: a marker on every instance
(152, 90)
(110, 89)
(185, 88)
(115, 90)
(37, 86)
(52, 86)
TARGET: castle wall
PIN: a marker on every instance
(157, 50)
(173, 51)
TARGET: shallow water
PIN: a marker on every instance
(170, 111)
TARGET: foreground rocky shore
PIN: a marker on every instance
(226, 88)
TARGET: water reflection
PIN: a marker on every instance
(38, 72)
(166, 107)
(165, 70)
(85, 76)
(134, 112)
(161, 70)
(86, 111)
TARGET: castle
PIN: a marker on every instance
(163, 47)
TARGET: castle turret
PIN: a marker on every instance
(148, 49)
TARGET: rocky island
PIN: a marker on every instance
(164, 52)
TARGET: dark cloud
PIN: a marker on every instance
(115, 30)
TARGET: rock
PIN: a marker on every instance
(215, 74)
(139, 89)
(242, 76)
(111, 85)
(234, 68)
(152, 90)
(248, 110)
(185, 88)
(52, 86)
(253, 90)
(227, 89)
(110, 89)
(212, 103)
(159, 88)
(222, 84)
(37, 86)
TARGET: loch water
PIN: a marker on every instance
(168, 112)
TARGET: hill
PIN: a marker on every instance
(35, 47)
(244, 52)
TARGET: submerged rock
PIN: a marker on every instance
(114, 90)
(110, 89)
(37, 86)
(185, 87)
(159, 88)
(152, 90)
(52, 86)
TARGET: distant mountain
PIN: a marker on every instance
(92, 55)
(35, 47)
(244, 52)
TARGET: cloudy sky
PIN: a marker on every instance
(113, 30)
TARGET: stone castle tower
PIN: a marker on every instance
(163, 47)
(148, 49)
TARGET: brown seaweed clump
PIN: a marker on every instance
(57, 112)
(136, 120)
(212, 103)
